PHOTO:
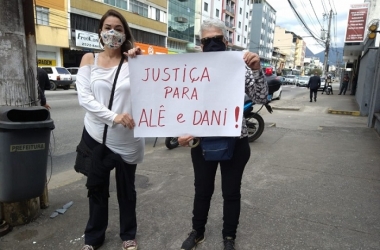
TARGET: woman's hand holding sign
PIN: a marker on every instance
(125, 119)
(133, 52)
(252, 60)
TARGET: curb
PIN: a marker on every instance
(342, 112)
(286, 108)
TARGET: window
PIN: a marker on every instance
(238, 38)
(245, 40)
(122, 4)
(217, 13)
(42, 15)
(246, 14)
(157, 15)
(138, 8)
(239, 24)
(245, 28)
(240, 11)
(205, 7)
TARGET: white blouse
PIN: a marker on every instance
(94, 85)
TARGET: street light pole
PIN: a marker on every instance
(327, 46)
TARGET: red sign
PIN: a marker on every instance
(356, 24)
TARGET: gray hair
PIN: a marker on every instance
(213, 23)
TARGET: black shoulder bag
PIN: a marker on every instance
(83, 161)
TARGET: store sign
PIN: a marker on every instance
(356, 23)
(87, 39)
(151, 49)
(47, 62)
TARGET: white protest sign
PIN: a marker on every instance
(199, 94)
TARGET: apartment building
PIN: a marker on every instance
(234, 13)
(51, 31)
(262, 29)
(284, 41)
(299, 55)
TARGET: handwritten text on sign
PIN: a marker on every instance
(199, 94)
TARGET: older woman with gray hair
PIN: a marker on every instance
(214, 37)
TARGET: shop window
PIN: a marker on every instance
(42, 15)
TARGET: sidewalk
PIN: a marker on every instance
(312, 182)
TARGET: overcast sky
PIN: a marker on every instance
(287, 19)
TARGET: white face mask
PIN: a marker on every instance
(112, 38)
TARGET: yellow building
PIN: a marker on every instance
(51, 23)
(147, 20)
(284, 42)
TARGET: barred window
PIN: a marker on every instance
(42, 15)
(138, 8)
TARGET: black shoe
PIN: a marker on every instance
(339, 94)
(229, 243)
(315, 100)
(192, 241)
(311, 101)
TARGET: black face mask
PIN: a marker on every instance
(214, 45)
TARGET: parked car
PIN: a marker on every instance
(73, 71)
(59, 77)
(290, 79)
(303, 81)
(276, 94)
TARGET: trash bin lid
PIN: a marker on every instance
(25, 117)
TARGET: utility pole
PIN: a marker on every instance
(327, 46)
(18, 86)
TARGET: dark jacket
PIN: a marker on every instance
(314, 82)
(43, 83)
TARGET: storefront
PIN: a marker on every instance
(48, 56)
(81, 43)
(84, 42)
(151, 49)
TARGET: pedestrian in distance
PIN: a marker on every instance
(94, 83)
(213, 35)
(314, 84)
(345, 81)
(43, 84)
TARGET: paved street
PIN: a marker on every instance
(312, 182)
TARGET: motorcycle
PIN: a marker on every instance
(329, 89)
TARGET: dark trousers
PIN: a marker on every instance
(232, 172)
(343, 89)
(313, 91)
(98, 221)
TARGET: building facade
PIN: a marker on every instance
(181, 30)
(51, 31)
(286, 44)
(147, 21)
(262, 29)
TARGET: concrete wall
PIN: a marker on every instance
(365, 81)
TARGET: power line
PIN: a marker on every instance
(315, 14)
(304, 24)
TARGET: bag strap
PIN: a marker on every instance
(111, 98)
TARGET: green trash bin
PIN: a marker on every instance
(24, 146)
